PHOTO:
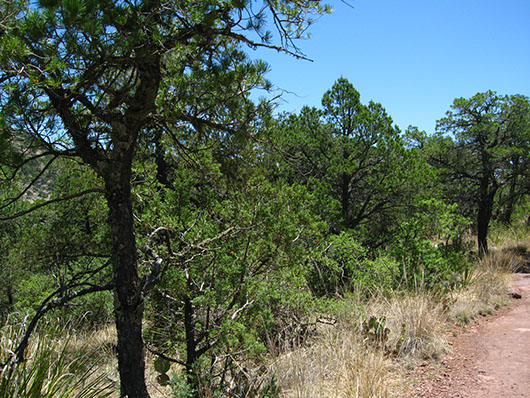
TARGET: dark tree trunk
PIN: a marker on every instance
(10, 299)
(128, 301)
(191, 342)
(116, 172)
(482, 229)
(485, 208)
(162, 167)
(507, 212)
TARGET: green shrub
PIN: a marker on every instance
(342, 265)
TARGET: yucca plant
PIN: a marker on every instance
(50, 370)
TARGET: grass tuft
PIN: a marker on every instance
(416, 323)
(52, 368)
(486, 286)
(337, 365)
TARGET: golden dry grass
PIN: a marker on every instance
(486, 288)
(103, 342)
(54, 366)
(416, 324)
(338, 364)
(510, 238)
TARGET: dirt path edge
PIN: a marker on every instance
(490, 356)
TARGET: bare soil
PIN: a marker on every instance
(490, 357)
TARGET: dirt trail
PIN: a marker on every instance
(491, 360)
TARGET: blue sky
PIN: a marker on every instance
(413, 56)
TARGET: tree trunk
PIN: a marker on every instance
(506, 216)
(128, 301)
(485, 208)
(482, 230)
(191, 342)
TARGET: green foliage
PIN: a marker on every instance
(334, 264)
(11, 274)
(162, 366)
(430, 247)
(353, 156)
(180, 386)
(235, 252)
(63, 247)
(488, 160)
(99, 81)
(340, 265)
(234, 242)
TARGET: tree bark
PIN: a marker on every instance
(128, 300)
(116, 171)
(507, 212)
(485, 208)
(191, 343)
(482, 229)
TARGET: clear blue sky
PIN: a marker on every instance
(413, 56)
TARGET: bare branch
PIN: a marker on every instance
(48, 304)
(25, 190)
(49, 202)
(154, 276)
(164, 356)
(236, 313)
(254, 45)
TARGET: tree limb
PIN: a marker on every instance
(49, 202)
(48, 304)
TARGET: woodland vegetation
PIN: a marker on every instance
(142, 188)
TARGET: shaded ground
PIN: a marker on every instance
(491, 358)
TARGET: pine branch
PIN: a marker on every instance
(49, 202)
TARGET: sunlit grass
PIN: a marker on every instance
(487, 286)
(53, 367)
(416, 324)
(337, 364)
(513, 238)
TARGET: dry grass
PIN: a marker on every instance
(486, 288)
(342, 360)
(103, 342)
(64, 347)
(341, 363)
(416, 324)
(338, 364)
(510, 238)
(54, 366)
(346, 362)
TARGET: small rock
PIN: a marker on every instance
(515, 293)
